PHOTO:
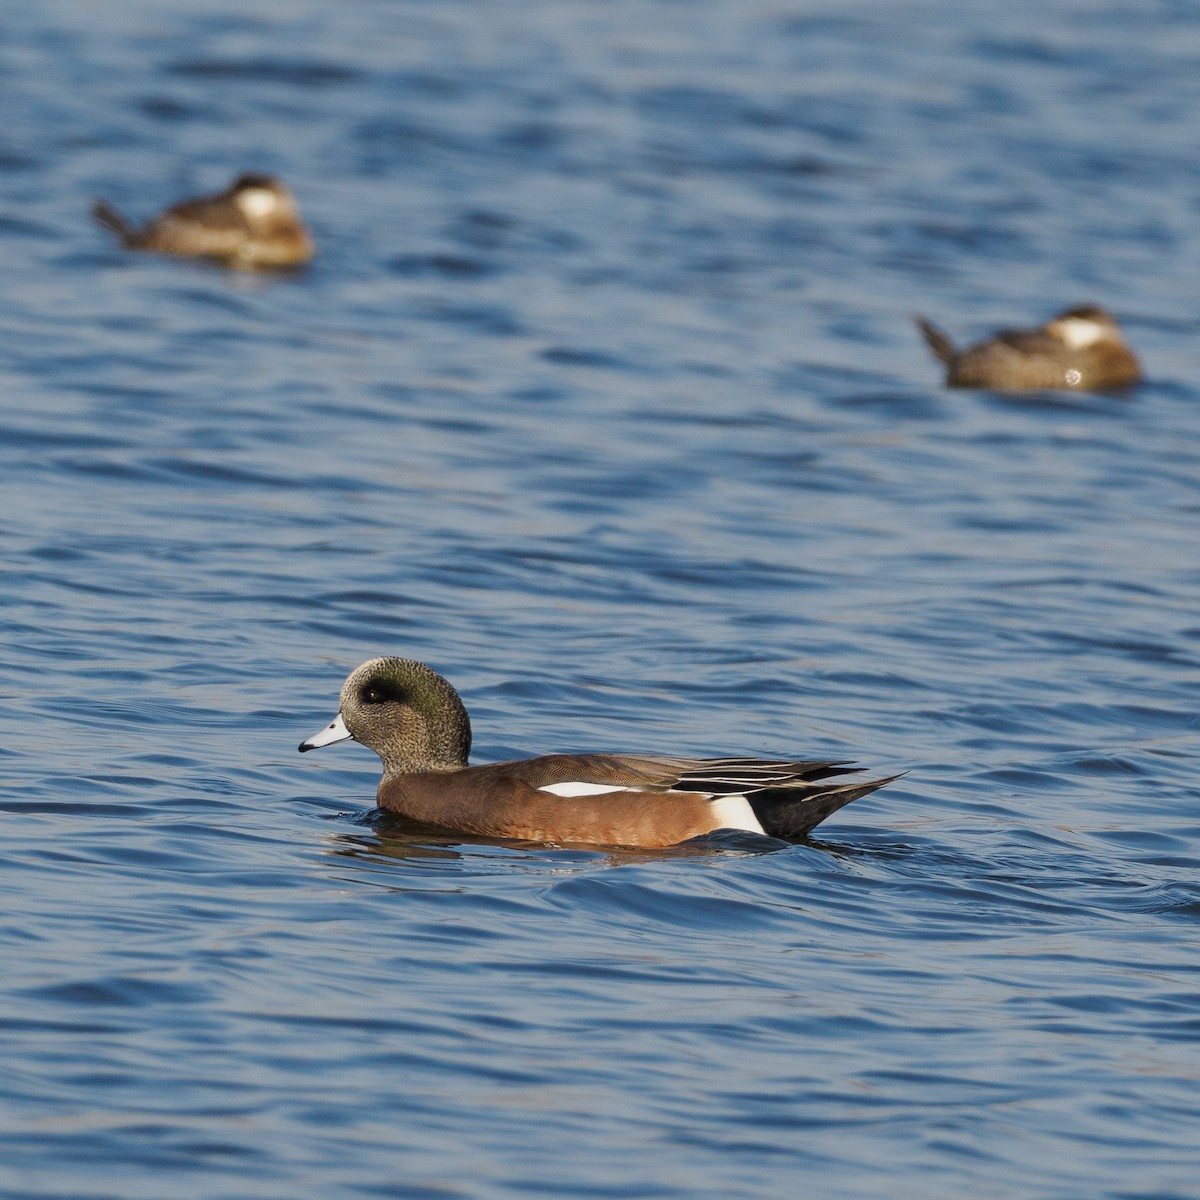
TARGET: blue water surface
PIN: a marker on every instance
(602, 397)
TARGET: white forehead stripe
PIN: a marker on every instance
(257, 202)
(1079, 332)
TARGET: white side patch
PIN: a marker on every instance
(581, 789)
(731, 812)
(734, 812)
(1079, 332)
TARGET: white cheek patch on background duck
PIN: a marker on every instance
(1080, 332)
(257, 202)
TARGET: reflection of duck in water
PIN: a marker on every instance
(254, 223)
(415, 721)
(1081, 348)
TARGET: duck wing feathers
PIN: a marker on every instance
(789, 798)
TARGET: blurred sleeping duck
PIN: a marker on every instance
(414, 720)
(1081, 348)
(253, 224)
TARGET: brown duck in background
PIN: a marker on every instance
(415, 721)
(1081, 348)
(253, 224)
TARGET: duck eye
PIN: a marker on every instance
(373, 695)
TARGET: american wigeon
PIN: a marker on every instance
(253, 223)
(1081, 349)
(415, 721)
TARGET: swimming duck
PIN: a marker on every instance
(417, 724)
(1081, 348)
(254, 223)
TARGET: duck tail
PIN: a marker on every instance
(942, 347)
(784, 814)
(114, 222)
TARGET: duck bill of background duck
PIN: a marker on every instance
(335, 731)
